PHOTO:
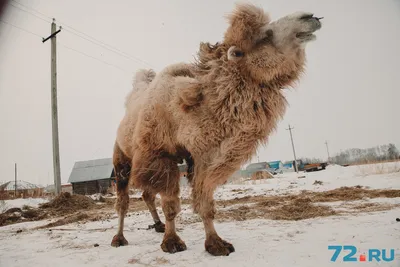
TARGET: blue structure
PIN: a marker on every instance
(289, 165)
(275, 164)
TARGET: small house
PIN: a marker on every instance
(92, 176)
(19, 189)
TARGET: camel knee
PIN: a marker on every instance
(203, 203)
(122, 173)
(122, 168)
(205, 208)
(122, 202)
(171, 207)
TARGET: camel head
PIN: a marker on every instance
(268, 52)
(294, 31)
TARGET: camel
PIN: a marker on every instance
(212, 113)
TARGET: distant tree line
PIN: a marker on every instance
(367, 155)
(311, 160)
(359, 156)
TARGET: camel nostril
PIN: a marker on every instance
(308, 16)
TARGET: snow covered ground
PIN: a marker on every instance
(258, 242)
(20, 202)
(333, 177)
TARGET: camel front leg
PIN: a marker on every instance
(203, 204)
(210, 171)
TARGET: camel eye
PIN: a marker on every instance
(234, 53)
(238, 54)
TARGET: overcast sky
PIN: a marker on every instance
(348, 96)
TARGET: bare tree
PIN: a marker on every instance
(311, 160)
(393, 152)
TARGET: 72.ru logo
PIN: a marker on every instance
(372, 254)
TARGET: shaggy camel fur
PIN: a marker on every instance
(213, 114)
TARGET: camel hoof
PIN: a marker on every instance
(119, 240)
(159, 227)
(173, 244)
(218, 247)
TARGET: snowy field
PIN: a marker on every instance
(258, 241)
(20, 202)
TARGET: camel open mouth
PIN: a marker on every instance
(306, 36)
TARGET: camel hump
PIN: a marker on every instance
(140, 83)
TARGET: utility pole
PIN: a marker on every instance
(15, 177)
(294, 151)
(327, 150)
(54, 112)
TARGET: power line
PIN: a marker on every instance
(88, 37)
(105, 46)
(92, 57)
(45, 20)
(67, 47)
(22, 29)
(44, 15)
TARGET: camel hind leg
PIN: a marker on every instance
(150, 199)
(160, 174)
(171, 207)
(122, 168)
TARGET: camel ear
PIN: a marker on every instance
(235, 53)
